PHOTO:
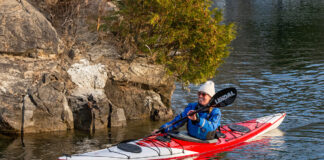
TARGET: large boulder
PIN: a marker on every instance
(32, 95)
(143, 90)
(91, 108)
(45, 106)
(23, 29)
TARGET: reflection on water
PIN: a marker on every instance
(269, 144)
(277, 65)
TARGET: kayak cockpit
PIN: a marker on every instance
(183, 135)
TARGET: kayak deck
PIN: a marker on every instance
(181, 145)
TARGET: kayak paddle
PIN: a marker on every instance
(220, 99)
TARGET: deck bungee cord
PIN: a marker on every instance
(162, 141)
(158, 151)
(233, 131)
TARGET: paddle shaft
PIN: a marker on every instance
(183, 118)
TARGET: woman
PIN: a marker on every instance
(201, 125)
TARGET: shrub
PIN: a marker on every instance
(184, 35)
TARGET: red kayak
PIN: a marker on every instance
(181, 145)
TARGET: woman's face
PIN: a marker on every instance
(203, 98)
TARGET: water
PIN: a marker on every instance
(55, 144)
(277, 65)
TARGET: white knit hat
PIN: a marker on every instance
(208, 87)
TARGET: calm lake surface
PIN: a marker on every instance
(277, 65)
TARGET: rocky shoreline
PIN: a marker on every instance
(49, 84)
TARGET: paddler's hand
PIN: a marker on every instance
(154, 131)
(192, 117)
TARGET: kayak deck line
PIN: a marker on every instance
(181, 145)
(160, 143)
(155, 143)
(128, 157)
(157, 150)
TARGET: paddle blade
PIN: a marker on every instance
(223, 98)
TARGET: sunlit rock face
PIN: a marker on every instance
(23, 29)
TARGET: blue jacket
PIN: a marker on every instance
(204, 128)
